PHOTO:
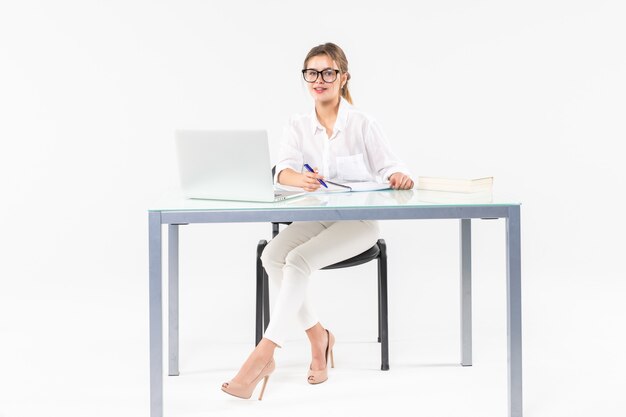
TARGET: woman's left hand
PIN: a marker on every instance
(400, 181)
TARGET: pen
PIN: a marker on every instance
(311, 170)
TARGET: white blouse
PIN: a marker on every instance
(357, 150)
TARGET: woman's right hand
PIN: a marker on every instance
(308, 181)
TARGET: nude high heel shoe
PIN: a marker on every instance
(317, 377)
(240, 390)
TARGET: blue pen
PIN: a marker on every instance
(311, 170)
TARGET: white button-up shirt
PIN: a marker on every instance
(357, 150)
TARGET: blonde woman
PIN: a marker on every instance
(343, 143)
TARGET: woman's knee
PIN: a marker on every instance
(272, 256)
(296, 259)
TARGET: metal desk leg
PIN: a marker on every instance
(173, 299)
(465, 228)
(514, 311)
(156, 311)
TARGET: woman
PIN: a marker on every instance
(347, 145)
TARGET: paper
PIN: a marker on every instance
(365, 185)
(354, 186)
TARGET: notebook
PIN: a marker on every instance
(227, 165)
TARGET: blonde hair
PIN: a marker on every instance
(336, 54)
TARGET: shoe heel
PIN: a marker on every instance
(332, 359)
(263, 387)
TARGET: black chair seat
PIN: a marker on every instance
(369, 255)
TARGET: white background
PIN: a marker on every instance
(530, 92)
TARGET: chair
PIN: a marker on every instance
(378, 251)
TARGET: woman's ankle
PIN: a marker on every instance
(265, 349)
(318, 337)
(316, 332)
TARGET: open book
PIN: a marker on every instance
(343, 187)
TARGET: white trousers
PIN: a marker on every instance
(297, 251)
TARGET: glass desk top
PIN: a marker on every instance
(385, 198)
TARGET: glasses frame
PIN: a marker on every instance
(304, 71)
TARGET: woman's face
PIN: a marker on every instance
(323, 91)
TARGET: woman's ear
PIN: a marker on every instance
(344, 79)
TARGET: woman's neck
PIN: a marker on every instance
(327, 113)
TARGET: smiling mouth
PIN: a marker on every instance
(320, 89)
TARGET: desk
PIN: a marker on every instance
(379, 205)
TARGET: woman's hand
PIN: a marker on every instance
(400, 181)
(306, 180)
(309, 180)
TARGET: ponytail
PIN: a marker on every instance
(345, 92)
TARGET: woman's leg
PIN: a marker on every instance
(313, 246)
(337, 242)
(273, 259)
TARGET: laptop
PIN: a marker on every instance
(227, 165)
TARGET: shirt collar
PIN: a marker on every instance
(340, 123)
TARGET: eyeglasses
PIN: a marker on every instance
(328, 75)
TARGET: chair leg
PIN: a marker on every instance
(262, 289)
(266, 301)
(260, 272)
(380, 318)
(384, 329)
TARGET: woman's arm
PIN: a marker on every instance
(384, 161)
(307, 180)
